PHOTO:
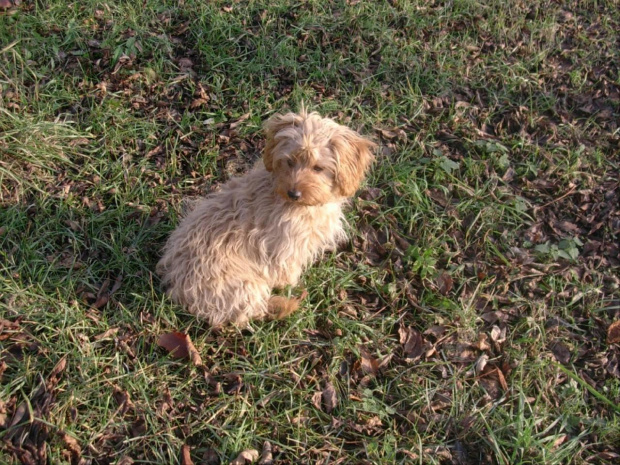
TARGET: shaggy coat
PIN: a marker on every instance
(261, 230)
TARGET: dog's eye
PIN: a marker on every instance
(318, 169)
(290, 163)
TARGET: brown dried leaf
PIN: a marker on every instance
(412, 342)
(370, 193)
(240, 120)
(329, 397)
(245, 457)
(123, 400)
(561, 353)
(481, 363)
(125, 460)
(73, 446)
(3, 415)
(21, 414)
(613, 332)
(186, 458)
(197, 103)
(390, 134)
(102, 295)
(266, 457)
(185, 64)
(438, 197)
(52, 379)
(492, 383)
(316, 400)
(210, 457)
(107, 334)
(370, 365)
(233, 384)
(444, 283)
(117, 284)
(158, 150)
(138, 427)
(482, 344)
(436, 331)
(502, 379)
(498, 335)
(180, 346)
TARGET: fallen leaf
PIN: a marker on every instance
(180, 346)
(247, 456)
(210, 457)
(502, 379)
(412, 342)
(240, 120)
(438, 197)
(266, 457)
(158, 150)
(197, 103)
(58, 369)
(436, 331)
(233, 384)
(107, 334)
(561, 353)
(185, 64)
(73, 446)
(444, 283)
(21, 414)
(370, 365)
(390, 134)
(316, 400)
(498, 335)
(481, 363)
(482, 344)
(613, 332)
(370, 193)
(3, 415)
(329, 397)
(117, 284)
(138, 427)
(490, 382)
(102, 295)
(123, 400)
(186, 459)
(125, 460)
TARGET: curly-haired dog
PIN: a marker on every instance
(261, 230)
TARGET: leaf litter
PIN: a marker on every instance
(574, 226)
(179, 345)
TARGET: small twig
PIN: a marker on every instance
(570, 191)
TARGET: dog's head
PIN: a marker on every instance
(315, 160)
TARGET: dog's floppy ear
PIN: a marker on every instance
(272, 127)
(354, 154)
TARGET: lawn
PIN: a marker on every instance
(473, 318)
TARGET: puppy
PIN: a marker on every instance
(261, 230)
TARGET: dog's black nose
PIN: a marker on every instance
(294, 195)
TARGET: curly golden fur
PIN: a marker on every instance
(261, 230)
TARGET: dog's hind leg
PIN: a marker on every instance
(280, 307)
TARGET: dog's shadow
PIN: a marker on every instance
(99, 263)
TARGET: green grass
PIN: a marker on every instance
(498, 166)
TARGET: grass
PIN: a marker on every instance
(487, 231)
